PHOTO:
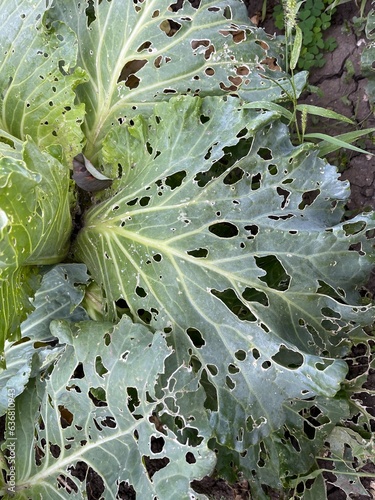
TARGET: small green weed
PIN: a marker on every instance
(313, 19)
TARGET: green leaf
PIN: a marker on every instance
(62, 427)
(159, 51)
(296, 49)
(334, 143)
(36, 77)
(326, 147)
(35, 226)
(197, 232)
(323, 112)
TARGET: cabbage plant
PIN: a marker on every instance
(194, 313)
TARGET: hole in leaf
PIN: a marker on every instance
(144, 201)
(196, 337)
(154, 464)
(240, 355)
(288, 358)
(254, 295)
(255, 353)
(66, 417)
(212, 369)
(99, 367)
(157, 444)
(169, 27)
(190, 458)
(230, 383)
(253, 230)
(276, 276)
(210, 402)
(293, 441)
(308, 198)
(127, 74)
(144, 46)
(199, 253)
(265, 153)
(235, 175)
(98, 396)
(78, 371)
(204, 119)
(232, 369)
(55, 450)
(157, 257)
(132, 400)
(266, 365)
(256, 181)
(285, 195)
(234, 304)
(223, 229)
(175, 180)
(141, 292)
(144, 315)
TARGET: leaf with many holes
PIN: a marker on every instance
(96, 412)
(230, 240)
(139, 52)
(35, 226)
(36, 79)
(58, 297)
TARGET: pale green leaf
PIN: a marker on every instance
(35, 226)
(296, 48)
(113, 433)
(36, 77)
(334, 143)
(238, 253)
(138, 53)
(327, 146)
(323, 112)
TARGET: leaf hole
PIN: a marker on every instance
(128, 72)
(99, 367)
(98, 396)
(175, 180)
(157, 444)
(141, 292)
(253, 230)
(232, 369)
(199, 253)
(212, 369)
(169, 27)
(132, 399)
(234, 304)
(288, 358)
(157, 257)
(196, 337)
(66, 417)
(144, 46)
(265, 154)
(209, 71)
(254, 295)
(255, 353)
(285, 196)
(256, 181)
(240, 355)
(272, 169)
(144, 315)
(235, 175)
(308, 198)
(223, 229)
(204, 119)
(144, 201)
(153, 465)
(190, 458)
(276, 276)
(266, 365)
